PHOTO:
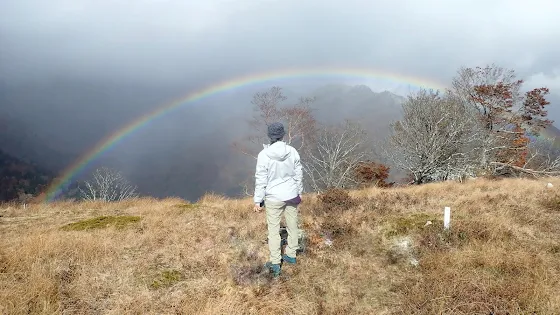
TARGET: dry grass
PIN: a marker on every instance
(501, 256)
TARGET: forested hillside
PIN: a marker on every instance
(20, 180)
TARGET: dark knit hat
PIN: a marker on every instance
(276, 131)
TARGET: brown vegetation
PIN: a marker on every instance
(501, 256)
(369, 173)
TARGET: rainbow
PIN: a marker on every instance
(550, 133)
(321, 72)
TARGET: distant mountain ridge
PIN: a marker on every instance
(374, 110)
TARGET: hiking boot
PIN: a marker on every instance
(273, 268)
(288, 259)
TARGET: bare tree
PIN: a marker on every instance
(436, 139)
(338, 150)
(107, 185)
(268, 108)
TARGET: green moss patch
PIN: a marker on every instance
(403, 225)
(166, 279)
(102, 222)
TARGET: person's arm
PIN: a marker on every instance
(261, 174)
(299, 172)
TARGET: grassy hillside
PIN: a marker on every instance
(501, 255)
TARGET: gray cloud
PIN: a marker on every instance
(170, 40)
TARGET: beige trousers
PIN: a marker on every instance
(274, 210)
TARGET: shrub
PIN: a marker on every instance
(372, 174)
(336, 199)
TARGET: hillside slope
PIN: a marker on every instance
(501, 255)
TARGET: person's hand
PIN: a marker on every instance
(257, 208)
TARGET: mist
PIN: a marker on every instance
(73, 72)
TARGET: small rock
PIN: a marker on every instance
(428, 223)
(328, 241)
(549, 185)
(404, 244)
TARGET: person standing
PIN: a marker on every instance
(278, 186)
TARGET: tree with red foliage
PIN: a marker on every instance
(506, 114)
(516, 152)
(369, 173)
(533, 112)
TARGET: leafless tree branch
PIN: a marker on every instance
(332, 160)
(107, 185)
(268, 108)
(437, 139)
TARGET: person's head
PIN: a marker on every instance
(276, 132)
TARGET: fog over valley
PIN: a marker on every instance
(74, 72)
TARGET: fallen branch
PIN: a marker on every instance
(535, 173)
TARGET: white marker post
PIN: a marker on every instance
(446, 218)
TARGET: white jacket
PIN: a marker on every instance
(278, 174)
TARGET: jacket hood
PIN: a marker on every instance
(278, 151)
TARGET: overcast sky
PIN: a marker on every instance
(74, 71)
(163, 41)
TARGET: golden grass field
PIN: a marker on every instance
(501, 256)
